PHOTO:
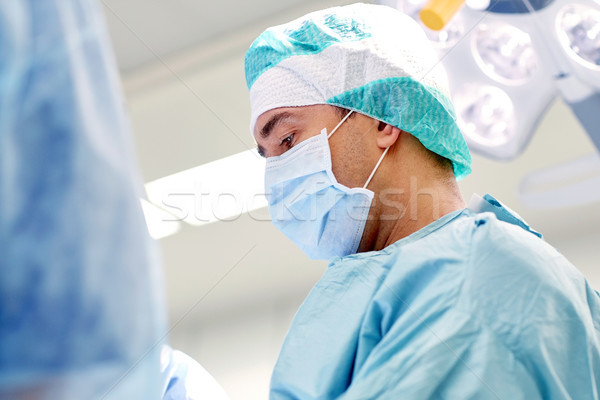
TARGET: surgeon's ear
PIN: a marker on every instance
(387, 135)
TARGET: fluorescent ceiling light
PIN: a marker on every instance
(160, 223)
(221, 190)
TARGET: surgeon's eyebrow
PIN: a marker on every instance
(274, 122)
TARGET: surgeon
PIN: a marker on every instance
(424, 297)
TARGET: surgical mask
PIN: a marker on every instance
(306, 202)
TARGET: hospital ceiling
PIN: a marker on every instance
(169, 27)
(182, 69)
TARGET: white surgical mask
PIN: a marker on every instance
(306, 202)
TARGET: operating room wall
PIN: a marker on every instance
(233, 287)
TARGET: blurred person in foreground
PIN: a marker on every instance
(81, 290)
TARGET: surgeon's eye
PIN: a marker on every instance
(288, 141)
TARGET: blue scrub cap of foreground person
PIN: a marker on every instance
(367, 58)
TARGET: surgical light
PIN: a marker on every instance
(486, 114)
(507, 60)
(504, 52)
(578, 29)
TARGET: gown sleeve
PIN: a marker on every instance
(521, 323)
(447, 357)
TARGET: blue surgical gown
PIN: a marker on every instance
(469, 307)
(81, 303)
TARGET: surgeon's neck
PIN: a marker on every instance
(408, 204)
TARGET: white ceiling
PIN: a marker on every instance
(189, 106)
(169, 27)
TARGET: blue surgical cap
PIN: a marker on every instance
(367, 58)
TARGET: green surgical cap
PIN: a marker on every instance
(367, 58)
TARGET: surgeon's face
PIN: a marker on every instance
(352, 146)
(279, 130)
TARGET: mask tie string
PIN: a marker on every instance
(376, 166)
(338, 125)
